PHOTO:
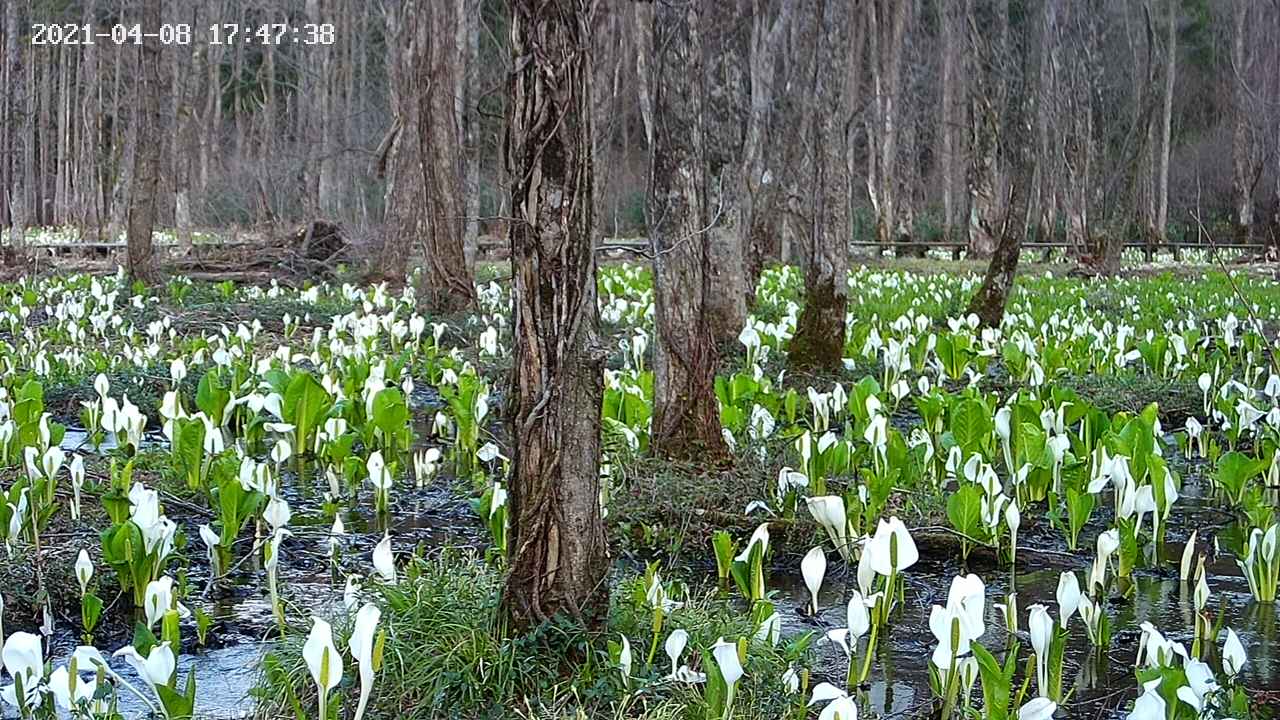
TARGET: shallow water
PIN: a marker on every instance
(1100, 683)
(433, 518)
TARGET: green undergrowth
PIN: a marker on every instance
(449, 654)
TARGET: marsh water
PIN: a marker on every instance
(434, 518)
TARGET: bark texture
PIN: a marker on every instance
(142, 266)
(1243, 152)
(818, 343)
(425, 206)
(556, 535)
(887, 22)
(686, 414)
(1011, 227)
(759, 184)
(988, 30)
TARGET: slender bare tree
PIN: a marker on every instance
(1244, 151)
(556, 536)
(1166, 120)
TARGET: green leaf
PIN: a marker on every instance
(212, 397)
(390, 414)
(971, 424)
(997, 685)
(964, 510)
(305, 404)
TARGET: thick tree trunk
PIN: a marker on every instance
(686, 414)
(757, 182)
(988, 303)
(726, 58)
(1079, 150)
(818, 343)
(556, 535)
(987, 101)
(447, 276)
(424, 205)
(147, 153)
(404, 216)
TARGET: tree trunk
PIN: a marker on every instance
(886, 28)
(686, 414)
(987, 101)
(404, 219)
(16, 122)
(424, 205)
(757, 181)
(556, 535)
(946, 116)
(1077, 115)
(147, 153)
(447, 276)
(1242, 153)
(988, 303)
(725, 58)
(1166, 123)
(818, 343)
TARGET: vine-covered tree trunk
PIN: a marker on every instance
(686, 415)
(146, 155)
(819, 338)
(556, 536)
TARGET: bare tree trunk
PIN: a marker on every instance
(1079, 148)
(468, 41)
(1242, 151)
(988, 303)
(946, 115)
(818, 343)
(686, 414)
(404, 217)
(557, 543)
(1048, 162)
(147, 153)
(644, 70)
(987, 101)
(448, 273)
(17, 122)
(424, 204)
(886, 28)
(725, 61)
(758, 182)
(1166, 122)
